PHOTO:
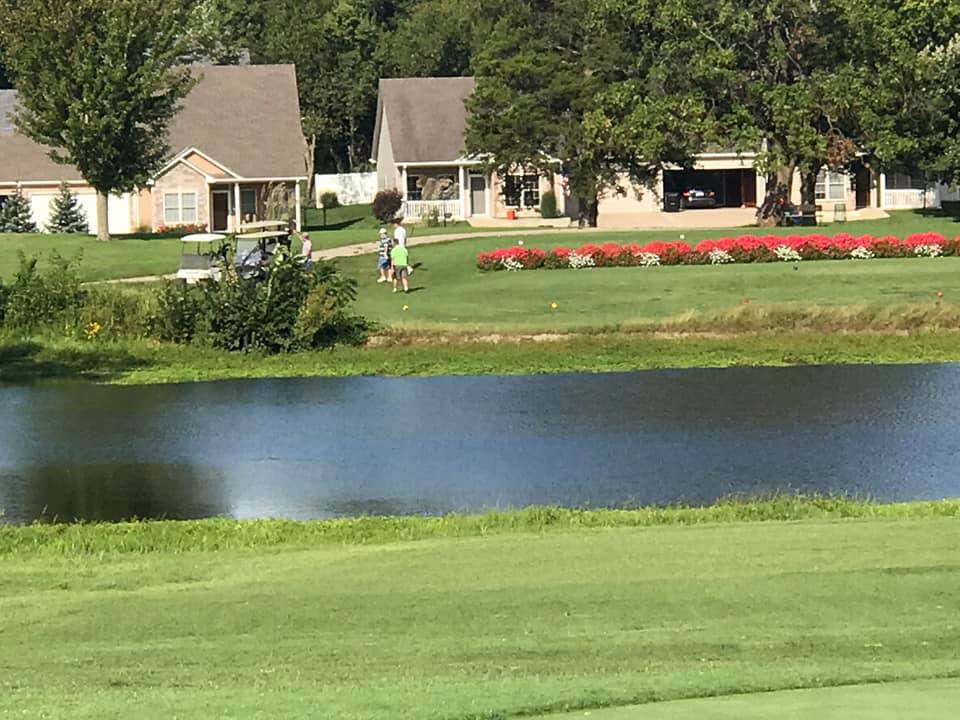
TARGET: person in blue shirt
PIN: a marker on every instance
(383, 256)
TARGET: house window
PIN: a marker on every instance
(171, 208)
(521, 190)
(831, 185)
(902, 181)
(414, 190)
(188, 207)
(179, 207)
(248, 202)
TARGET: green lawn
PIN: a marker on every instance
(510, 624)
(126, 257)
(130, 257)
(917, 700)
(448, 291)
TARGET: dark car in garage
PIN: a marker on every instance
(697, 197)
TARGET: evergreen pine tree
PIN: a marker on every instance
(66, 213)
(16, 215)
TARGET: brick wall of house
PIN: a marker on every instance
(181, 179)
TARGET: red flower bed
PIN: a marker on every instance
(744, 248)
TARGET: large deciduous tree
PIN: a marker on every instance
(98, 82)
(333, 44)
(536, 81)
(544, 77)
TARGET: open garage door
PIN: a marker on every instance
(731, 188)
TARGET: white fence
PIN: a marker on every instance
(909, 199)
(351, 188)
(424, 208)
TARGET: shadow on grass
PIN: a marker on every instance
(952, 213)
(27, 362)
(333, 226)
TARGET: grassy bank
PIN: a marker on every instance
(516, 621)
(145, 362)
(221, 534)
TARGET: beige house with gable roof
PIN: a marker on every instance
(418, 147)
(236, 137)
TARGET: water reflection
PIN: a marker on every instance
(330, 447)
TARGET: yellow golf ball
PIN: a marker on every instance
(553, 305)
(406, 307)
(519, 242)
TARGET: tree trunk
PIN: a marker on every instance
(589, 209)
(808, 187)
(103, 229)
(777, 195)
(311, 159)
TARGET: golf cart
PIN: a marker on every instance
(201, 257)
(256, 244)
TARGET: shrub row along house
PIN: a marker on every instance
(237, 154)
(419, 148)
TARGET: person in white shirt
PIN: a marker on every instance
(306, 249)
(400, 237)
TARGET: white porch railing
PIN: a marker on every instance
(422, 209)
(909, 199)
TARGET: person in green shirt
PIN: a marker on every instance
(400, 259)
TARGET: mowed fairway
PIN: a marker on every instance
(449, 291)
(490, 627)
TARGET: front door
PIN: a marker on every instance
(748, 188)
(478, 195)
(221, 210)
(861, 182)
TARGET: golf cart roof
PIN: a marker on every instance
(203, 237)
(262, 224)
(263, 234)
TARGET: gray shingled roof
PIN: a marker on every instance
(246, 117)
(426, 117)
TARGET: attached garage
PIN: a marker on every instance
(732, 188)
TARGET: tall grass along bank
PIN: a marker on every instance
(140, 362)
(218, 534)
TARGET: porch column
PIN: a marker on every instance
(296, 196)
(463, 192)
(237, 215)
(489, 185)
(882, 200)
(403, 186)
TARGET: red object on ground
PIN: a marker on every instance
(511, 214)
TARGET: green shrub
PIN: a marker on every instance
(329, 200)
(548, 205)
(118, 312)
(293, 308)
(179, 308)
(386, 205)
(36, 300)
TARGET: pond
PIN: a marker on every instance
(319, 448)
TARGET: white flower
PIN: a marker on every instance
(648, 259)
(861, 253)
(580, 261)
(719, 257)
(928, 251)
(787, 254)
(511, 264)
